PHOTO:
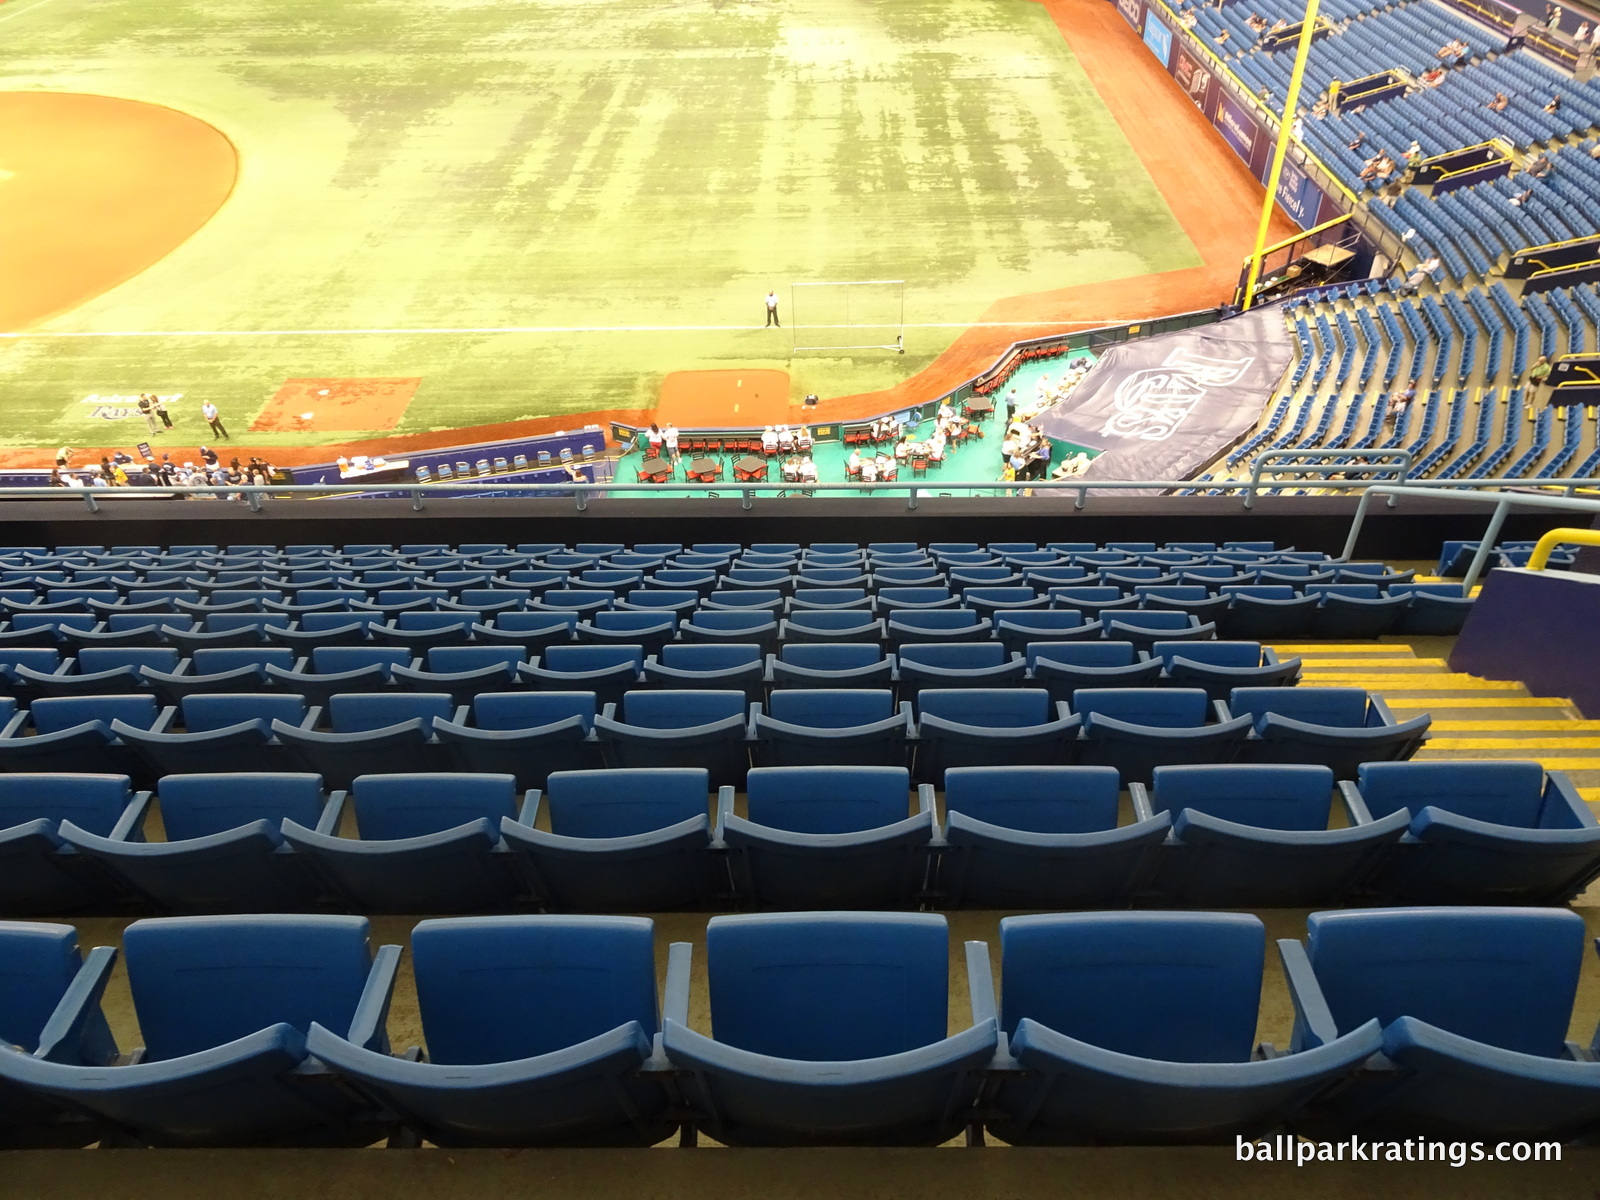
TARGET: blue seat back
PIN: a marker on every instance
(1259, 591)
(522, 622)
(1266, 795)
(108, 658)
(739, 621)
(1041, 618)
(414, 805)
(1343, 708)
(998, 595)
(628, 620)
(35, 658)
(498, 989)
(666, 597)
(530, 710)
(450, 660)
(1088, 594)
(828, 987)
(212, 660)
(625, 801)
(332, 660)
(1083, 654)
(1171, 986)
(958, 656)
(1149, 618)
(1178, 592)
(693, 656)
(1035, 799)
(203, 711)
(1212, 654)
(39, 963)
(1503, 793)
(935, 618)
(751, 597)
(912, 595)
(681, 708)
(361, 712)
(51, 714)
(200, 982)
(838, 595)
(195, 806)
(591, 658)
(1505, 976)
(828, 799)
(831, 656)
(831, 708)
(1165, 708)
(92, 802)
(418, 622)
(830, 619)
(989, 708)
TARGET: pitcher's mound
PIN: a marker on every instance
(702, 398)
(336, 405)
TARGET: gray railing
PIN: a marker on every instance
(1385, 465)
(1503, 503)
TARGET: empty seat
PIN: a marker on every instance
(1015, 630)
(1137, 730)
(830, 665)
(336, 669)
(1266, 612)
(1064, 667)
(1147, 626)
(1219, 667)
(955, 664)
(831, 625)
(99, 671)
(607, 671)
(679, 728)
(937, 625)
(531, 630)
(980, 727)
(1042, 837)
(652, 630)
(223, 731)
(720, 667)
(732, 625)
(1140, 1028)
(1355, 611)
(463, 671)
(39, 871)
(424, 843)
(370, 732)
(74, 733)
(831, 1028)
(1436, 609)
(825, 726)
(524, 734)
(1338, 727)
(829, 837)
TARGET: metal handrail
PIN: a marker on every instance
(1395, 461)
(1560, 537)
(1504, 502)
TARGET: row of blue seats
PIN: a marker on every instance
(529, 734)
(828, 1029)
(828, 837)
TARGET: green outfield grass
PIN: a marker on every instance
(439, 165)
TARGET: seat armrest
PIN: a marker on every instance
(1140, 796)
(1378, 713)
(1355, 806)
(925, 793)
(369, 1028)
(675, 1004)
(462, 714)
(1269, 658)
(130, 825)
(332, 811)
(416, 664)
(1563, 807)
(64, 1035)
(16, 722)
(1224, 713)
(164, 720)
(1314, 1024)
(755, 713)
(980, 983)
(529, 814)
(303, 663)
(609, 712)
(725, 795)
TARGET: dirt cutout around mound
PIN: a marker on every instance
(336, 405)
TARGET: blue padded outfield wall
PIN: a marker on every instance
(1539, 627)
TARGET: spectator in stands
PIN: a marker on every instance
(869, 470)
(852, 465)
(654, 439)
(769, 440)
(1538, 375)
(1358, 141)
(1298, 129)
(1432, 77)
(1582, 33)
(888, 469)
(1369, 169)
(1552, 17)
(1554, 106)
(669, 441)
(785, 440)
(1594, 150)
(1521, 198)
(803, 440)
(1188, 18)
(1452, 49)
(1222, 38)
(1499, 103)
(1256, 21)
(1400, 402)
(1423, 272)
(213, 418)
(1539, 165)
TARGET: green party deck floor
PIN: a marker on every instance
(621, 180)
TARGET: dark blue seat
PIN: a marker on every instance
(621, 840)
(693, 727)
(424, 843)
(223, 731)
(955, 664)
(372, 731)
(1137, 1028)
(829, 837)
(336, 669)
(1481, 832)
(1016, 630)
(224, 849)
(719, 667)
(750, 591)
(826, 726)
(993, 600)
(537, 1029)
(524, 734)
(1257, 836)
(937, 625)
(831, 1029)
(39, 870)
(98, 671)
(607, 671)
(219, 669)
(463, 671)
(830, 665)
(1436, 609)
(74, 733)
(732, 625)
(983, 727)
(1091, 598)
(224, 1004)
(1193, 598)
(1266, 612)
(533, 631)
(1219, 667)
(1355, 611)
(1041, 837)
(1137, 730)
(830, 599)
(1064, 667)
(906, 595)
(652, 630)
(1147, 626)
(1475, 1004)
(1338, 727)
(663, 599)
(831, 625)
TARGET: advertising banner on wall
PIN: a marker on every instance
(1237, 126)
(1298, 196)
(1158, 37)
(1163, 407)
(1132, 12)
(1194, 79)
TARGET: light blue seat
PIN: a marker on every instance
(831, 1029)
(716, 666)
(219, 669)
(831, 625)
(1146, 626)
(830, 665)
(993, 600)
(1266, 612)
(904, 594)
(99, 671)
(984, 727)
(371, 732)
(692, 727)
(607, 671)
(74, 733)
(39, 870)
(1016, 630)
(1091, 598)
(223, 731)
(829, 837)
(1064, 667)
(621, 840)
(955, 664)
(424, 843)
(1338, 727)
(731, 625)
(224, 1004)
(537, 1029)
(1355, 611)
(1219, 667)
(463, 671)
(828, 726)
(1137, 730)
(337, 669)
(937, 625)
(1257, 836)
(1481, 832)
(1139, 1028)
(533, 631)
(524, 734)
(652, 630)
(1475, 1004)
(1042, 837)
(224, 850)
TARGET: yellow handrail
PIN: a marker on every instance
(1577, 241)
(1560, 537)
(1302, 235)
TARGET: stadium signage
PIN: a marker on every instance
(1158, 37)
(116, 407)
(1132, 11)
(1238, 127)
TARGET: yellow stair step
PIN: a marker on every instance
(1373, 662)
(1515, 743)
(1382, 648)
(1515, 726)
(1443, 679)
(1546, 702)
(1550, 762)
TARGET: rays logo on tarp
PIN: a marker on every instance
(1153, 403)
(116, 407)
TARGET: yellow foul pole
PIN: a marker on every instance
(1290, 103)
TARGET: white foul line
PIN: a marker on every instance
(24, 11)
(18, 335)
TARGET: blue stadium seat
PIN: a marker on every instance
(1436, 610)
(836, 727)
(524, 734)
(336, 669)
(937, 625)
(983, 727)
(1219, 667)
(371, 731)
(1064, 667)
(607, 671)
(911, 597)
(831, 625)
(1147, 626)
(955, 664)
(652, 630)
(693, 727)
(1016, 630)
(1338, 727)
(1137, 730)
(1266, 612)
(831, 1028)
(39, 870)
(425, 842)
(830, 665)
(1041, 837)
(533, 631)
(542, 1026)
(74, 733)
(733, 625)
(719, 667)
(224, 1004)
(1355, 611)
(98, 671)
(829, 838)
(1135, 1028)
(462, 671)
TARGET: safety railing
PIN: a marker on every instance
(1540, 558)
(1503, 502)
(1386, 465)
